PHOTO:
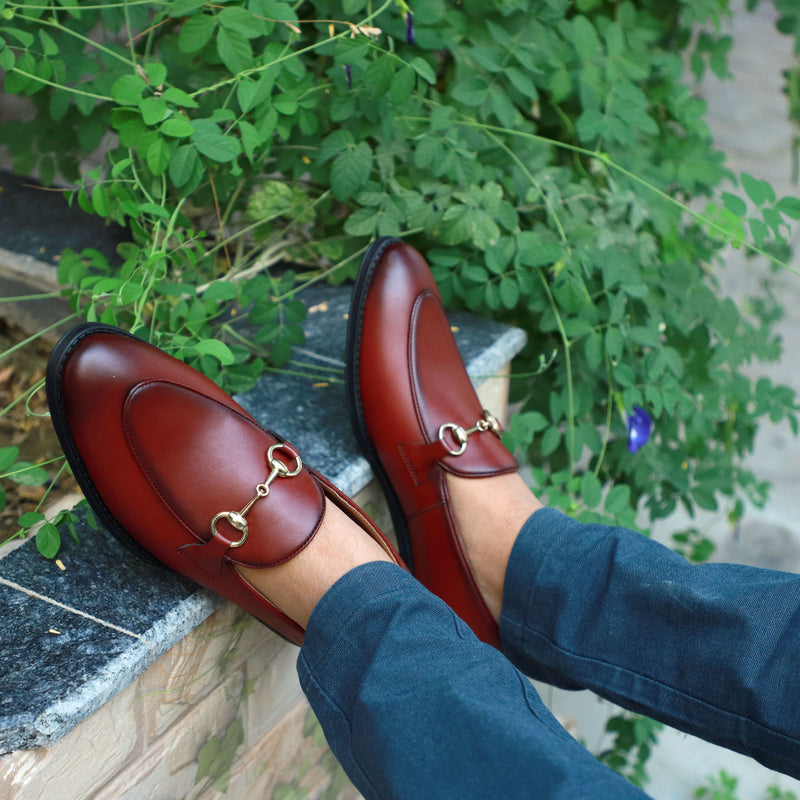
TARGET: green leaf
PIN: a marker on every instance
(402, 87)
(757, 190)
(585, 38)
(550, 441)
(7, 58)
(285, 103)
(216, 349)
(27, 474)
(790, 206)
(615, 344)
(362, 222)
(101, 202)
(25, 38)
(350, 170)
(251, 138)
(378, 75)
(509, 292)
(252, 93)
(179, 98)
(275, 9)
(8, 455)
(158, 156)
(423, 69)
(30, 518)
(130, 293)
(220, 290)
(211, 142)
(522, 82)
(154, 110)
(235, 51)
(127, 90)
(182, 8)
(472, 91)
(196, 33)
(591, 490)
(48, 43)
(48, 540)
(156, 72)
(178, 127)
(239, 20)
(704, 497)
(734, 203)
(618, 499)
(334, 144)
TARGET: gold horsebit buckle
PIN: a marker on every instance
(278, 469)
(487, 423)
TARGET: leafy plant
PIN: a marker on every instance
(634, 738)
(719, 787)
(776, 793)
(724, 786)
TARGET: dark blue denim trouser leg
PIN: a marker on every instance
(713, 650)
(414, 706)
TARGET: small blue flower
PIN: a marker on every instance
(640, 425)
(409, 27)
(348, 71)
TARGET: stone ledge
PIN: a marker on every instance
(37, 226)
(74, 639)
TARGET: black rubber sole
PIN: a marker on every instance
(55, 400)
(355, 406)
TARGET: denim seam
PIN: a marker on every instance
(640, 676)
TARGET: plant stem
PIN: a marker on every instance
(567, 369)
(22, 297)
(36, 336)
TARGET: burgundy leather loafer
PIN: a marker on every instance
(179, 472)
(417, 418)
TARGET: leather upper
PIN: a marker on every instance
(411, 381)
(160, 451)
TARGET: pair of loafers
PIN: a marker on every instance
(182, 475)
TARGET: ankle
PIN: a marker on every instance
(489, 514)
(296, 586)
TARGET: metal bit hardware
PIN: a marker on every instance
(236, 519)
(487, 423)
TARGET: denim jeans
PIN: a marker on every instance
(414, 706)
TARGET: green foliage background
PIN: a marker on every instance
(542, 153)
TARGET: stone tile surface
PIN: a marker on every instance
(71, 639)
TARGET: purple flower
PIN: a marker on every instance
(348, 70)
(640, 426)
(409, 27)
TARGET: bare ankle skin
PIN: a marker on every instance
(489, 514)
(298, 585)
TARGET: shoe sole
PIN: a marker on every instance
(55, 400)
(355, 406)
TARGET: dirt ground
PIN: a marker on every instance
(33, 435)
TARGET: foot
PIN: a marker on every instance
(297, 585)
(489, 514)
(418, 420)
(182, 475)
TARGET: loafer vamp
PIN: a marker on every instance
(163, 450)
(203, 458)
(412, 381)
